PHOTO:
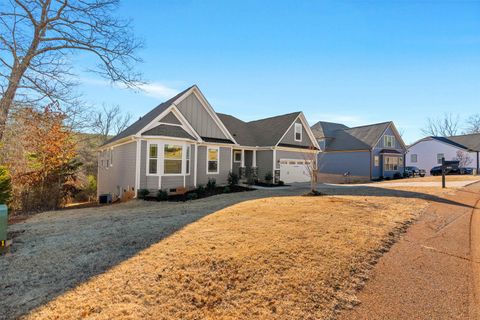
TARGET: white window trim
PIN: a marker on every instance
(376, 161)
(385, 163)
(188, 146)
(182, 173)
(218, 160)
(148, 158)
(392, 140)
(237, 152)
(439, 160)
(298, 128)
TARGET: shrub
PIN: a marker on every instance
(5, 185)
(251, 181)
(268, 177)
(162, 195)
(211, 184)
(397, 175)
(201, 190)
(143, 193)
(232, 179)
(226, 190)
(281, 183)
(192, 196)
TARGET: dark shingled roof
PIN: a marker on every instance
(169, 131)
(146, 119)
(262, 133)
(340, 137)
(466, 141)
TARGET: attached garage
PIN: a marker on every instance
(294, 170)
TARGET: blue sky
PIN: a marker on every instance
(355, 62)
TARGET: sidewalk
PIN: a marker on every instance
(430, 273)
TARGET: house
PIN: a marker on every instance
(366, 152)
(428, 152)
(183, 142)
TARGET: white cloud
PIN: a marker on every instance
(158, 90)
(152, 89)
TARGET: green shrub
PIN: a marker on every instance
(268, 177)
(201, 190)
(192, 196)
(5, 185)
(143, 193)
(226, 190)
(162, 195)
(232, 179)
(281, 183)
(211, 184)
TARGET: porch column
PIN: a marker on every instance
(242, 164)
(254, 158)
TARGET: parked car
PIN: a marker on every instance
(437, 171)
(466, 170)
(414, 171)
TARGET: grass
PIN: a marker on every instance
(436, 179)
(283, 258)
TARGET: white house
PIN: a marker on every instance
(428, 152)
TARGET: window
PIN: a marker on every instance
(439, 157)
(187, 160)
(388, 141)
(237, 156)
(376, 160)
(413, 158)
(172, 163)
(212, 160)
(390, 163)
(152, 159)
(298, 132)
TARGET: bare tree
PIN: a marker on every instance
(463, 158)
(448, 125)
(110, 121)
(473, 124)
(38, 38)
(310, 158)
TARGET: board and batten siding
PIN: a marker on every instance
(120, 176)
(225, 159)
(264, 163)
(289, 137)
(203, 123)
(357, 163)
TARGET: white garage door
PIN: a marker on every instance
(294, 171)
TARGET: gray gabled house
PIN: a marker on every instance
(183, 142)
(368, 152)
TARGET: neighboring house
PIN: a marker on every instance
(369, 152)
(428, 152)
(183, 142)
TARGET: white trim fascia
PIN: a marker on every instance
(303, 120)
(198, 93)
(167, 138)
(218, 160)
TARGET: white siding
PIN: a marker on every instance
(427, 151)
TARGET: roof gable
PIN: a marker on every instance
(170, 118)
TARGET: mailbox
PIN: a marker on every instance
(3, 225)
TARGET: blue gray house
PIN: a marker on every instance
(368, 152)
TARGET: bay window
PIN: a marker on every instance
(172, 163)
(390, 163)
(153, 158)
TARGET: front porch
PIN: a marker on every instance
(245, 164)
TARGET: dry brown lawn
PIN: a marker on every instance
(283, 257)
(436, 179)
